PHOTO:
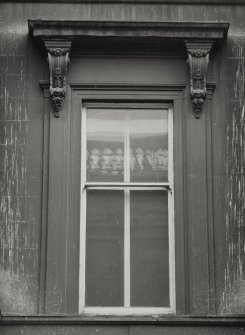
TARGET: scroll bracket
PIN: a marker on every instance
(198, 59)
(58, 59)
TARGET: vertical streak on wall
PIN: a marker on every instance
(18, 228)
(234, 296)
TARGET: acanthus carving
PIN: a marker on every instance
(198, 59)
(58, 59)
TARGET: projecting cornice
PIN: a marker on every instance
(176, 30)
(199, 38)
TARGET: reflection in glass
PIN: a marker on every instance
(105, 145)
(149, 248)
(149, 145)
(146, 132)
(104, 248)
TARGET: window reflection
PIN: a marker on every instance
(105, 145)
(142, 135)
(149, 145)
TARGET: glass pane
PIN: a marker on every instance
(105, 145)
(149, 248)
(104, 248)
(149, 145)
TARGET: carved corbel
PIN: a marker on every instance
(58, 59)
(198, 59)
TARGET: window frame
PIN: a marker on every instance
(127, 186)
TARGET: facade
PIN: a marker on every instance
(122, 167)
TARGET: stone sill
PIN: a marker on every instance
(190, 321)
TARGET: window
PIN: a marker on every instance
(127, 226)
(154, 70)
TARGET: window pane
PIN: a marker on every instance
(149, 248)
(104, 248)
(149, 145)
(105, 145)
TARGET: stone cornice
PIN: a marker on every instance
(162, 30)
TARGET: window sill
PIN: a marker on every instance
(160, 320)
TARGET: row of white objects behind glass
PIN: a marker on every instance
(108, 160)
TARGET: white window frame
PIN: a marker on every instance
(126, 309)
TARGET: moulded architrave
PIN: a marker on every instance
(66, 261)
(200, 211)
(198, 283)
(127, 93)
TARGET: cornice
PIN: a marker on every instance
(167, 30)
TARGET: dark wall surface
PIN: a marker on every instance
(119, 330)
(23, 64)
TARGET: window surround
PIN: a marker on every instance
(77, 94)
(61, 149)
(61, 143)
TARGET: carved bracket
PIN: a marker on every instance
(198, 59)
(58, 59)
